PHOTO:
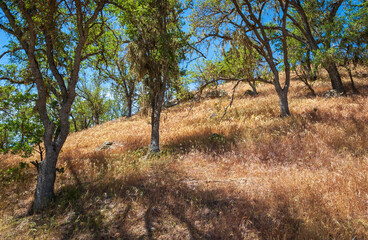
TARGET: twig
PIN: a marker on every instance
(231, 100)
(36, 164)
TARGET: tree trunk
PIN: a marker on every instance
(313, 75)
(355, 90)
(310, 88)
(74, 123)
(305, 77)
(155, 121)
(253, 86)
(283, 101)
(335, 78)
(155, 133)
(45, 181)
(129, 103)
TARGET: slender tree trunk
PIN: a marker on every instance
(155, 121)
(155, 134)
(335, 78)
(129, 102)
(253, 86)
(310, 88)
(307, 31)
(353, 87)
(74, 123)
(46, 178)
(305, 77)
(313, 75)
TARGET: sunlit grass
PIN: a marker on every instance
(251, 175)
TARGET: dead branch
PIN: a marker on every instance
(231, 100)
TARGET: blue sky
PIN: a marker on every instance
(4, 39)
(211, 54)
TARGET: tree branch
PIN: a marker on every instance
(231, 100)
(10, 51)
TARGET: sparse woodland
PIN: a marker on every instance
(180, 119)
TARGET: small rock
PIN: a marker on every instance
(105, 145)
(196, 98)
(206, 212)
(69, 217)
(332, 93)
(171, 103)
(216, 94)
(213, 115)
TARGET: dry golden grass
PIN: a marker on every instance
(252, 175)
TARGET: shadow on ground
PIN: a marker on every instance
(163, 205)
(203, 142)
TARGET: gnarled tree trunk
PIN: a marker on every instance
(45, 181)
(54, 139)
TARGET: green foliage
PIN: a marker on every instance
(332, 32)
(239, 62)
(13, 174)
(91, 107)
(112, 67)
(157, 41)
(48, 42)
(20, 127)
(353, 46)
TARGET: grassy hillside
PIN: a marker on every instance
(252, 175)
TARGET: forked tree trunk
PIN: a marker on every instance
(45, 181)
(334, 75)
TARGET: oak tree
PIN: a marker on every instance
(52, 38)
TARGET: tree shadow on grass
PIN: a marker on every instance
(163, 205)
(203, 142)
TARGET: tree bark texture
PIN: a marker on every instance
(157, 102)
(129, 103)
(284, 105)
(353, 87)
(27, 31)
(306, 29)
(45, 181)
(334, 75)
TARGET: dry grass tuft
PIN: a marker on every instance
(252, 175)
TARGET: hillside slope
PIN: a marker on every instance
(251, 175)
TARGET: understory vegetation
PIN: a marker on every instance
(248, 175)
